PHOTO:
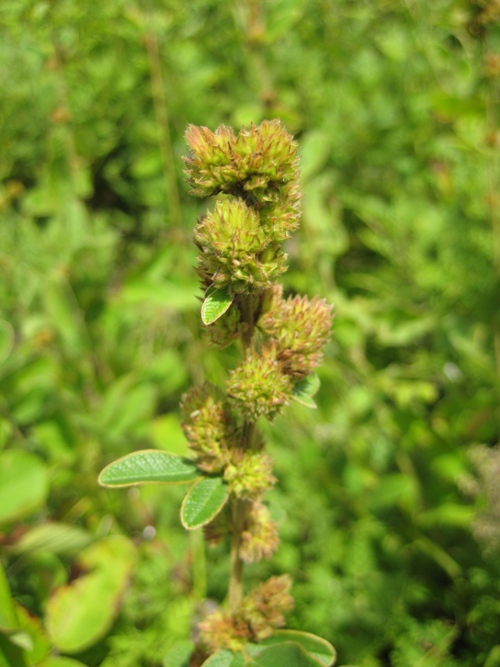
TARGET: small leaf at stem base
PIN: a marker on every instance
(203, 502)
(217, 302)
(304, 390)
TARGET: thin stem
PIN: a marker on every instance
(235, 594)
(239, 507)
(161, 113)
(247, 334)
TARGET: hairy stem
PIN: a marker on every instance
(235, 594)
(239, 507)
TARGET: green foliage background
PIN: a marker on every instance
(395, 107)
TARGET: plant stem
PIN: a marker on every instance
(239, 507)
(162, 119)
(235, 593)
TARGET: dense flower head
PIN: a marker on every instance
(249, 474)
(259, 538)
(260, 613)
(258, 386)
(235, 250)
(226, 329)
(209, 163)
(222, 630)
(280, 211)
(301, 327)
(259, 158)
(208, 427)
(263, 609)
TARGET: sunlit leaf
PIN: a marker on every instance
(304, 390)
(148, 466)
(217, 302)
(203, 502)
(23, 484)
(79, 614)
(318, 648)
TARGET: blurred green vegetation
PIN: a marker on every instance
(395, 104)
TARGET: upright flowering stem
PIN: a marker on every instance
(235, 594)
(239, 507)
(240, 257)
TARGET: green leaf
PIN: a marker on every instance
(284, 654)
(36, 638)
(148, 466)
(179, 654)
(79, 614)
(217, 302)
(62, 661)
(23, 484)
(11, 655)
(8, 617)
(203, 502)
(286, 648)
(304, 390)
(318, 648)
(57, 538)
(220, 659)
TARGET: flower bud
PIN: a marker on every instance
(209, 427)
(300, 327)
(259, 538)
(249, 474)
(263, 610)
(259, 614)
(259, 387)
(232, 243)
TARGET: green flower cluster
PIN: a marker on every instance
(256, 175)
(240, 239)
(215, 438)
(235, 250)
(258, 161)
(209, 427)
(259, 386)
(300, 327)
(260, 613)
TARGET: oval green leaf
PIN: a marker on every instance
(304, 390)
(320, 649)
(285, 654)
(222, 658)
(58, 538)
(24, 484)
(203, 502)
(148, 466)
(217, 302)
(81, 613)
(8, 617)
